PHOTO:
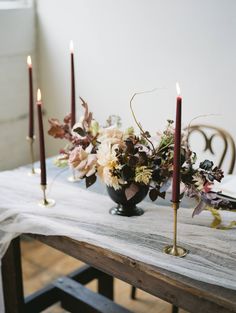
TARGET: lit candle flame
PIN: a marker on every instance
(178, 89)
(29, 62)
(39, 95)
(71, 47)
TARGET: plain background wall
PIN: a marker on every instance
(17, 40)
(120, 47)
(126, 46)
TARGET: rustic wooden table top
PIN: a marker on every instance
(180, 290)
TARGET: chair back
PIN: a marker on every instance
(225, 145)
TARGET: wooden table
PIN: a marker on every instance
(188, 293)
(184, 292)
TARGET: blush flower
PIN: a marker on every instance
(108, 164)
(111, 135)
(110, 179)
(84, 162)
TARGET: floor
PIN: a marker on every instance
(42, 264)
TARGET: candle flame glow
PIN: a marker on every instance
(39, 95)
(71, 47)
(178, 89)
(29, 62)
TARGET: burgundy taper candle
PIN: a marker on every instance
(31, 100)
(73, 110)
(41, 140)
(177, 149)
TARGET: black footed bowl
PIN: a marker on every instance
(127, 207)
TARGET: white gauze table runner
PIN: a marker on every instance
(83, 215)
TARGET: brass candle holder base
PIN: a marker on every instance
(48, 203)
(174, 249)
(33, 171)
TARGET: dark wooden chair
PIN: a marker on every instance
(217, 141)
(227, 146)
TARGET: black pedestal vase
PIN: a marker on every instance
(127, 207)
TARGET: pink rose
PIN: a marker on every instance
(83, 162)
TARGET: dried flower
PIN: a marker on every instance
(108, 164)
(111, 135)
(143, 174)
(83, 162)
(94, 128)
(198, 181)
(105, 173)
(56, 130)
(206, 165)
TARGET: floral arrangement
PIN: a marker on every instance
(124, 159)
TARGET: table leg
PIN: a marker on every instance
(175, 309)
(133, 292)
(12, 279)
(106, 286)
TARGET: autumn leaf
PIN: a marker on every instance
(80, 131)
(56, 130)
(153, 194)
(88, 116)
(199, 208)
(67, 118)
(90, 180)
(131, 191)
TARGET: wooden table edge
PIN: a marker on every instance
(182, 291)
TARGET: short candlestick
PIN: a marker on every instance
(174, 249)
(31, 144)
(46, 202)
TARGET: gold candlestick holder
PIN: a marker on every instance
(33, 170)
(174, 249)
(46, 202)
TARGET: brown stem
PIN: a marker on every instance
(135, 119)
(170, 143)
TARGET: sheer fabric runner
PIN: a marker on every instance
(83, 215)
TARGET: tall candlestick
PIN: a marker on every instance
(177, 149)
(41, 140)
(31, 105)
(73, 109)
(174, 249)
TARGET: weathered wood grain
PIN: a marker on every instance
(184, 292)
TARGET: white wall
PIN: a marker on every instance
(17, 38)
(132, 45)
